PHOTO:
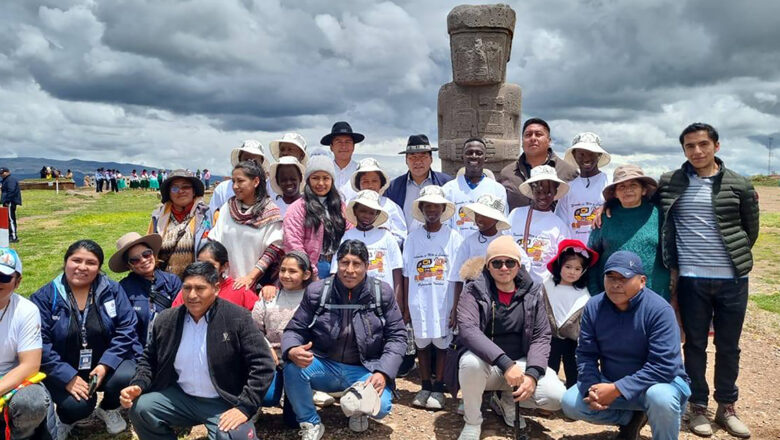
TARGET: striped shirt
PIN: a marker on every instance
(700, 247)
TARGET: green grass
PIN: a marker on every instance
(770, 303)
(763, 180)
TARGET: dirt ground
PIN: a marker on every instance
(759, 404)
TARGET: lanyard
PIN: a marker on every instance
(81, 318)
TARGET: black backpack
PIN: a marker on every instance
(375, 305)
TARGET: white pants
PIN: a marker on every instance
(477, 376)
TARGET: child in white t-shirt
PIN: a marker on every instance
(535, 227)
(428, 298)
(384, 255)
(578, 207)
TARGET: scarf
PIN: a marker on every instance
(181, 215)
(269, 214)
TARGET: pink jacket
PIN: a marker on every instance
(298, 237)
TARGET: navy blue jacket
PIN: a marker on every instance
(636, 349)
(137, 290)
(396, 191)
(11, 191)
(56, 313)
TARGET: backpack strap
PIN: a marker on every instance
(377, 304)
(323, 304)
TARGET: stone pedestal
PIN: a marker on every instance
(478, 103)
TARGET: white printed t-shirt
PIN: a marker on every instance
(20, 330)
(384, 255)
(577, 208)
(475, 245)
(427, 264)
(546, 232)
(458, 192)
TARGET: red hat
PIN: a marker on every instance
(579, 249)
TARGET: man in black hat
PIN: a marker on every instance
(404, 189)
(342, 140)
(11, 197)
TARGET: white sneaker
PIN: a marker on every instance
(505, 408)
(311, 432)
(113, 420)
(63, 430)
(435, 401)
(470, 432)
(421, 398)
(322, 399)
(358, 423)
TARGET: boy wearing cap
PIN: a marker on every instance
(536, 228)
(474, 182)
(578, 207)
(629, 360)
(384, 255)
(370, 176)
(428, 297)
(29, 411)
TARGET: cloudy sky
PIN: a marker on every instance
(179, 83)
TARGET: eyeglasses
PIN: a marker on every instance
(144, 255)
(5, 279)
(498, 264)
(175, 188)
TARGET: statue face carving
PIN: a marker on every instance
(479, 58)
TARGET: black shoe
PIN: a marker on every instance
(631, 431)
(14, 240)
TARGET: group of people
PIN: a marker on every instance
(49, 173)
(313, 277)
(112, 180)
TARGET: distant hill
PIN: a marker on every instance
(30, 167)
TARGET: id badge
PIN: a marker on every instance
(85, 359)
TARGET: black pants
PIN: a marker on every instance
(113, 186)
(563, 350)
(98, 185)
(12, 232)
(71, 410)
(722, 301)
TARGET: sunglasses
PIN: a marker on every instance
(498, 264)
(144, 255)
(175, 188)
(4, 279)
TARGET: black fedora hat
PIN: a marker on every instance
(418, 143)
(341, 128)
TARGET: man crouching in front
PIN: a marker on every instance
(206, 363)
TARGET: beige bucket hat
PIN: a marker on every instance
(289, 138)
(432, 194)
(629, 172)
(285, 160)
(117, 262)
(370, 199)
(365, 166)
(544, 172)
(250, 146)
(587, 141)
(489, 206)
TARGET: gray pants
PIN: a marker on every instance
(153, 414)
(30, 408)
(477, 376)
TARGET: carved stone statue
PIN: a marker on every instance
(478, 103)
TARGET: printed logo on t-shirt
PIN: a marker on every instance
(583, 217)
(431, 268)
(462, 219)
(376, 261)
(536, 247)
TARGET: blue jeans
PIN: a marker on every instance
(274, 393)
(328, 376)
(664, 404)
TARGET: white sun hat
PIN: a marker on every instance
(543, 172)
(370, 199)
(250, 146)
(432, 194)
(285, 160)
(587, 141)
(289, 138)
(490, 206)
(366, 166)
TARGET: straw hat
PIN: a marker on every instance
(629, 172)
(490, 206)
(543, 172)
(587, 141)
(250, 146)
(370, 199)
(117, 262)
(285, 160)
(432, 194)
(366, 166)
(289, 138)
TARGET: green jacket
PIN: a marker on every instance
(736, 207)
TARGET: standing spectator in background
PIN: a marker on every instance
(161, 176)
(43, 172)
(154, 182)
(11, 198)
(206, 178)
(69, 174)
(99, 180)
(114, 186)
(198, 174)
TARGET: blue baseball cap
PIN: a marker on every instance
(626, 263)
(9, 261)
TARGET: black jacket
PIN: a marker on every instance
(11, 191)
(240, 362)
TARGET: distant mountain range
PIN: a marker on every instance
(30, 167)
